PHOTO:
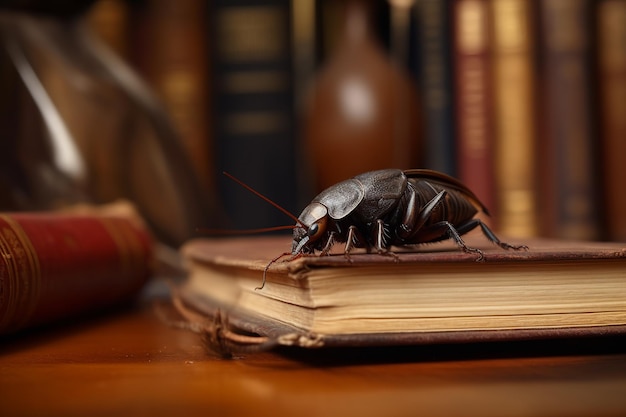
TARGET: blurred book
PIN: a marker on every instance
(567, 151)
(62, 266)
(514, 84)
(252, 108)
(611, 66)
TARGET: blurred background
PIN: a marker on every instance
(150, 100)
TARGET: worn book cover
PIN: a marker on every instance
(57, 266)
(431, 293)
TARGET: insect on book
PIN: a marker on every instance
(429, 294)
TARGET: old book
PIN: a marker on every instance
(473, 104)
(110, 20)
(435, 79)
(57, 266)
(513, 31)
(433, 294)
(567, 156)
(252, 107)
(173, 57)
(611, 47)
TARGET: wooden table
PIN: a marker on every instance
(131, 363)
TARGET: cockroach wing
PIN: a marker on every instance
(383, 190)
(342, 198)
(446, 181)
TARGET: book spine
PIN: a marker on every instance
(176, 65)
(436, 83)
(568, 167)
(515, 123)
(611, 23)
(474, 117)
(109, 19)
(253, 108)
(56, 266)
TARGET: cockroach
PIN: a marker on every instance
(391, 207)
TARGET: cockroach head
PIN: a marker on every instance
(309, 230)
(300, 241)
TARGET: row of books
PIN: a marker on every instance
(222, 70)
(522, 100)
(535, 92)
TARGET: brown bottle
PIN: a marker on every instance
(362, 113)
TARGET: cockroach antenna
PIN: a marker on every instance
(268, 200)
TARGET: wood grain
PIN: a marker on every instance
(131, 363)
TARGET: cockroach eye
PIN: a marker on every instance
(317, 229)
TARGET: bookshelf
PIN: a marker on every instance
(537, 126)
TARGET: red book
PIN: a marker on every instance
(474, 114)
(54, 266)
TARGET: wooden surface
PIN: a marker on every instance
(131, 363)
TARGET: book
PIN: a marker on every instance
(569, 193)
(110, 20)
(430, 294)
(56, 266)
(252, 108)
(474, 110)
(435, 79)
(611, 68)
(173, 57)
(513, 32)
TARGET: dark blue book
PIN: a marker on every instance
(435, 78)
(253, 109)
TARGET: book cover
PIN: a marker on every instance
(513, 28)
(57, 266)
(174, 58)
(435, 80)
(569, 200)
(611, 76)
(473, 104)
(252, 107)
(430, 294)
(110, 20)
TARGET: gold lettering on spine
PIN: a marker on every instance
(20, 274)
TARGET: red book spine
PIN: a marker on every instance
(53, 266)
(474, 113)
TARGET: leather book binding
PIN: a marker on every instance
(55, 266)
(429, 294)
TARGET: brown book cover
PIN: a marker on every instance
(434, 294)
(474, 113)
(569, 185)
(611, 49)
(173, 56)
(55, 266)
